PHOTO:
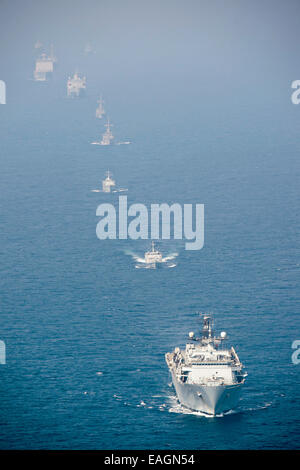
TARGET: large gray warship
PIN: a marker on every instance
(44, 65)
(206, 377)
(76, 85)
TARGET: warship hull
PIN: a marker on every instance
(209, 399)
(153, 264)
(76, 93)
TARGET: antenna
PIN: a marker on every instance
(207, 329)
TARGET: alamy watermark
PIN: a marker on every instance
(2, 352)
(296, 353)
(162, 221)
(295, 97)
(2, 92)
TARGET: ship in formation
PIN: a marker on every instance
(206, 376)
(153, 257)
(44, 64)
(76, 85)
(109, 185)
(88, 49)
(107, 137)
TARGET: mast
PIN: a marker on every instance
(207, 329)
(100, 109)
(108, 132)
(107, 136)
(52, 56)
(108, 183)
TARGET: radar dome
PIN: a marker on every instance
(223, 334)
(191, 334)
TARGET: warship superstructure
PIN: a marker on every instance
(108, 183)
(76, 85)
(206, 377)
(107, 136)
(153, 256)
(100, 109)
(44, 65)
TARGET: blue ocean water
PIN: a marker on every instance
(85, 331)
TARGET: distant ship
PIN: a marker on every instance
(206, 378)
(76, 85)
(107, 136)
(154, 256)
(88, 48)
(108, 183)
(44, 66)
(100, 109)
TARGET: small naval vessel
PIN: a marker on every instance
(44, 66)
(100, 109)
(108, 183)
(206, 377)
(154, 256)
(76, 85)
(107, 136)
(88, 48)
